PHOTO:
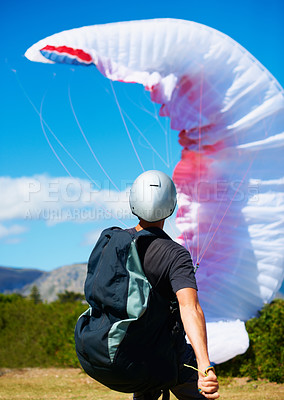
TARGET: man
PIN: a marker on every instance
(169, 269)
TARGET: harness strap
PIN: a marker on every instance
(166, 395)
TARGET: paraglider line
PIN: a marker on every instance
(172, 228)
(87, 142)
(142, 107)
(155, 117)
(43, 122)
(48, 141)
(167, 146)
(224, 256)
(229, 205)
(62, 146)
(42, 125)
(199, 151)
(124, 123)
(215, 216)
(187, 240)
(146, 140)
(266, 129)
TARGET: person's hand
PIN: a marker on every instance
(208, 385)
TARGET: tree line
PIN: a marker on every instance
(38, 334)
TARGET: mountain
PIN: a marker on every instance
(69, 277)
(14, 279)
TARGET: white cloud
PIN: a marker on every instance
(13, 240)
(91, 238)
(59, 199)
(12, 230)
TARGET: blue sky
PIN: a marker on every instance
(30, 238)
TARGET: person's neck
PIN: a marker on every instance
(144, 224)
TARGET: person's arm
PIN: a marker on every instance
(194, 325)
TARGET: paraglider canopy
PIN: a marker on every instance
(228, 110)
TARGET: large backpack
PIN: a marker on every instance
(125, 339)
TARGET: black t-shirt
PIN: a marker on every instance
(167, 265)
(169, 268)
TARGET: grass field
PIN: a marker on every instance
(67, 384)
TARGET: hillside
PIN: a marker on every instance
(69, 277)
(14, 279)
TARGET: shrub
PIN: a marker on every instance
(36, 334)
(265, 356)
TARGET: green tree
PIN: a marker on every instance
(35, 295)
(37, 334)
(9, 298)
(70, 297)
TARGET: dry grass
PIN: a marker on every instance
(66, 384)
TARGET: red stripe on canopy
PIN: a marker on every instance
(82, 55)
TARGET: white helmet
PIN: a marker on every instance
(153, 196)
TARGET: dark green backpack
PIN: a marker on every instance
(124, 340)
